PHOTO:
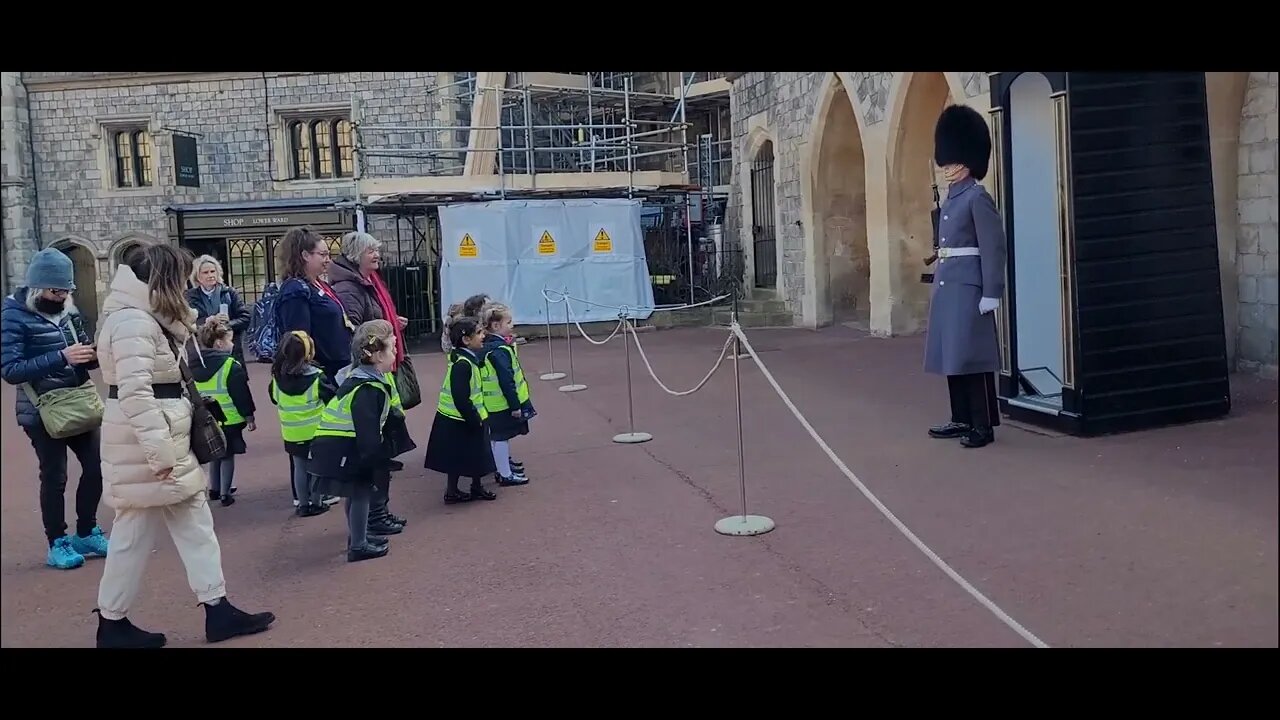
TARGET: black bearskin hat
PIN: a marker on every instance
(961, 137)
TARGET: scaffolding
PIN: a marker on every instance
(658, 137)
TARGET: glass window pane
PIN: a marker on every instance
(324, 147)
(300, 142)
(346, 141)
(143, 165)
(124, 160)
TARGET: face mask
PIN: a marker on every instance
(50, 307)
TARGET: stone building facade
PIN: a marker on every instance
(852, 173)
(64, 184)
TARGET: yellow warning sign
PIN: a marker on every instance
(546, 244)
(603, 243)
(467, 248)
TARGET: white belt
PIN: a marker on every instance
(944, 252)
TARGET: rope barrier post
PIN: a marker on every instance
(737, 348)
(551, 342)
(743, 524)
(568, 341)
(632, 437)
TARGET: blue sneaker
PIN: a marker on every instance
(63, 556)
(93, 546)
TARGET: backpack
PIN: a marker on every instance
(263, 336)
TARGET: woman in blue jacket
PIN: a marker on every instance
(44, 346)
(308, 304)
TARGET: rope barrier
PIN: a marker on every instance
(563, 296)
(724, 351)
(942, 565)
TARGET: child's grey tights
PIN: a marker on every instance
(304, 483)
(221, 472)
(358, 517)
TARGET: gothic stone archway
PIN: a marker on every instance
(911, 194)
(842, 258)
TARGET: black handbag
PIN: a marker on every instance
(407, 384)
(208, 441)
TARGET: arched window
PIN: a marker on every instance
(321, 148)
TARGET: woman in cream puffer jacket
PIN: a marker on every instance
(149, 474)
(142, 434)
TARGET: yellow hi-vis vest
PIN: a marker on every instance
(446, 406)
(390, 380)
(216, 388)
(494, 400)
(299, 414)
(336, 420)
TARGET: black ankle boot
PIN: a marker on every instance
(224, 621)
(124, 634)
(479, 493)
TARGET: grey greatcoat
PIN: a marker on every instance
(961, 340)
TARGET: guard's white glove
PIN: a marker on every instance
(986, 305)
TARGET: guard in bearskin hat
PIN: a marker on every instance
(969, 281)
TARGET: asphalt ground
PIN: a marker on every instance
(1153, 539)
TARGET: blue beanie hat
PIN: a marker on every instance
(52, 270)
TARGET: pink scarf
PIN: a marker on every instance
(388, 312)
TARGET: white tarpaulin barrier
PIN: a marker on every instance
(512, 249)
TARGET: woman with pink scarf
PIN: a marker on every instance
(364, 296)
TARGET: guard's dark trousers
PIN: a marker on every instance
(973, 400)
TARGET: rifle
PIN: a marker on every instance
(934, 215)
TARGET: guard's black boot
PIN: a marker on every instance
(124, 634)
(392, 517)
(224, 621)
(368, 552)
(377, 540)
(517, 467)
(979, 437)
(949, 431)
(396, 465)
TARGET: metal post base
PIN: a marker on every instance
(632, 438)
(552, 376)
(572, 388)
(744, 525)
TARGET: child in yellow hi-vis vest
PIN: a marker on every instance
(506, 393)
(300, 390)
(459, 443)
(359, 435)
(220, 376)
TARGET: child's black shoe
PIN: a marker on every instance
(383, 527)
(227, 500)
(311, 510)
(453, 497)
(368, 552)
(512, 481)
(479, 493)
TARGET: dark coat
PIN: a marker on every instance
(961, 340)
(297, 385)
(460, 447)
(502, 426)
(354, 292)
(207, 304)
(237, 387)
(31, 352)
(343, 464)
(301, 306)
